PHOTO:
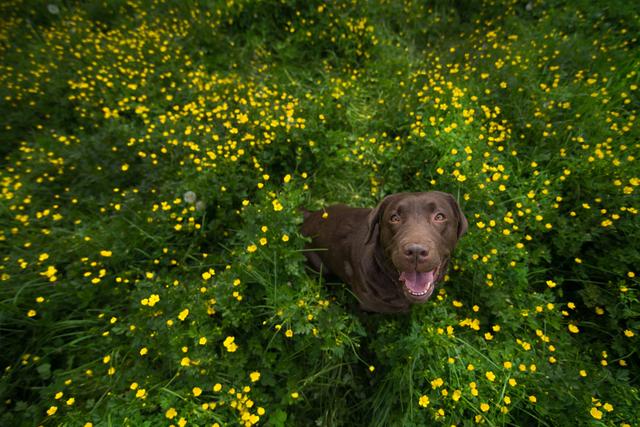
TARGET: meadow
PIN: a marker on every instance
(154, 156)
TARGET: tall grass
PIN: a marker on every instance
(155, 155)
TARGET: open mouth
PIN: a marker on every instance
(419, 285)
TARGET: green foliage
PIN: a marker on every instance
(155, 158)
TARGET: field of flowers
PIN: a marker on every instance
(153, 158)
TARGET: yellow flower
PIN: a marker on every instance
(490, 376)
(436, 383)
(52, 410)
(424, 401)
(171, 413)
(533, 399)
(252, 248)
(197, 391)
(182, 422)
(474, 391)
(551, 284)
(628, 333)
(295, 395)
(105, 254)
(141, 393)
(217, 387)
(230, 345)
(144, 351)
(153, 299)
(31, 313)
(254, 376)
(285, 238)
(484, 407)
(183, 314)
(595, 413)
(71, 401)
(202, 341)
(289, 333)
(185, 361)
(50, 273)
(573, 329)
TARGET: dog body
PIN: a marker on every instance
(392, 255)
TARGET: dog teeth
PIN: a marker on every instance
(419, 294)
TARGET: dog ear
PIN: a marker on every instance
(463, 224)
(373, 220)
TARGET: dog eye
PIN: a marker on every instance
(439, 217)
(395, 218)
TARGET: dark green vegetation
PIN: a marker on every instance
(154, 155)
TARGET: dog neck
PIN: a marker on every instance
(390, 296)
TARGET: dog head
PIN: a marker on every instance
(417, 233)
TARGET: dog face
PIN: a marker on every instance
(417, 233)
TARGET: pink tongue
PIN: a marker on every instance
(416, 282)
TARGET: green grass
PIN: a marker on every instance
(125, 300)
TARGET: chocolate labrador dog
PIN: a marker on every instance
(392, 256)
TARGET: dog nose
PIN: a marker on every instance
(416, 252)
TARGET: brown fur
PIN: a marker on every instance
(368, 248)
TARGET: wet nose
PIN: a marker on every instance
(416, 253)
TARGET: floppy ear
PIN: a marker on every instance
(373, 220)
(463, 224)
